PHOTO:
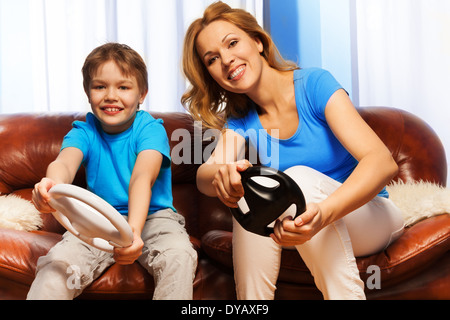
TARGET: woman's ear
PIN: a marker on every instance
(259, 45)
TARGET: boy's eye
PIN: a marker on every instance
(123, 88)
(99, 87)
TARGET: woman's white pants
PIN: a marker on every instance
(329, 255)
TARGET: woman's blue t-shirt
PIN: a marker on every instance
(313, 144)
(109, 159)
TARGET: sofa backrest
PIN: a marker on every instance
(414, 145)
(29, 142)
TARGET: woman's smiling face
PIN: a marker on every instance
(231, 56)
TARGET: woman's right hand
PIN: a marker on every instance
(227, 182)
(40, 196)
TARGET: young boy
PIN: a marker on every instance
(127, 159)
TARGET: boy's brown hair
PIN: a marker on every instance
(128, 61)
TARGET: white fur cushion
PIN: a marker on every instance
(419, 200)
(18, 214)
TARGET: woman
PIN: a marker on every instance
(240, 83)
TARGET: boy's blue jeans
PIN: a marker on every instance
(168, 255)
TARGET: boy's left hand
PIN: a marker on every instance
(130, 254)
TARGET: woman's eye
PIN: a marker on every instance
(233, 43)
(212, 60)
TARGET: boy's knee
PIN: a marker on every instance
(56, 267)
(180, 259)
(184, 255)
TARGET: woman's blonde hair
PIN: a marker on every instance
(205, 99)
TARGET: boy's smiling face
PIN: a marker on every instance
(114, 98)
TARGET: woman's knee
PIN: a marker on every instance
(315, 185)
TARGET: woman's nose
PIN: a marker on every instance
(228, 59)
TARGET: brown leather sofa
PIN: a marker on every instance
(417, 266)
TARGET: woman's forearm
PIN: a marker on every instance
(205, 177)
(229, 149)
(370, 176)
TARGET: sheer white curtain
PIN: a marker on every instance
(404, 58)
(43, 44)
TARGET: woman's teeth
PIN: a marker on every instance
(236, 72)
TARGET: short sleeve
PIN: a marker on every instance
(238, 125)
(80, 136)
(152, 136)
(320, 86)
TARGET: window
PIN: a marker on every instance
(43, 44)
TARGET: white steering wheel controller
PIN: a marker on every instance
(89, 217)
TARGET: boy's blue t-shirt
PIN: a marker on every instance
(109, 159)
(313, 144)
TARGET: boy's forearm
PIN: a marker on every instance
(65, 167)
(145, 173)
(138, 204)
(59, 173)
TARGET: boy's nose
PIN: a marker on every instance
(111, 94)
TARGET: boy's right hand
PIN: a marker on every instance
(40, 196)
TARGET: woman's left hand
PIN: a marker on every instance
(291, 232)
